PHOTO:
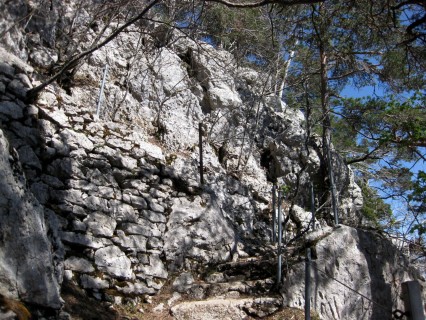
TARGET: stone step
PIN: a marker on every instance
(249, 269)
(203, 290)
(222, 309)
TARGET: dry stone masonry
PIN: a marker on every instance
(115, 206)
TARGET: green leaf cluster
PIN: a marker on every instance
(418, 198)
(374, 209)
(392, 125)
(244, 32)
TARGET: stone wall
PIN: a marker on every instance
(127, 206)
(115, 204)
(115, 210)
(31, 252)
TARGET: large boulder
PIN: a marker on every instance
(356, 274)
(26, 262)
(197, 230)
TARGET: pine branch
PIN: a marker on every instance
(365, 157)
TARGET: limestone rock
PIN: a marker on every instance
(90, 282)
(76, 140)
(14, 61)
(43, 57)
(220, 94)
(28, 157)
(28, 134)
(136, 289)
(130, 242)
(192, 225)
(303, 217)
(83, 240)
(79, 265)
(146, 229)
(25, 256)
(155, 206)
(135, 201)
(362, 261)
(47, 99)
(41, 192)
(152, 150)
(229, 309)
(115, 143)
(123, 191)
(100, 224)
(11, 109)
(156, 268)
(175, 297)
(7, 69)
(121, 211)
(183, 282)
(58, 117)
(114, 262)
(170, 71)
(153, 217)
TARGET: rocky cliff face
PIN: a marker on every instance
(115, 204)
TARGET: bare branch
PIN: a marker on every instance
(31, 94)
(415, 24)
(365, 157)
(408, 2)
(263, 3)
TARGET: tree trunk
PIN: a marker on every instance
(326, 128)
(285, 75)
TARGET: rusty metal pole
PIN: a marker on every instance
(308, 284)
(313, 206)
(200, 144)
(280, 239)
(332, 185)
(101, 92)
(413, 300)
(274, 214)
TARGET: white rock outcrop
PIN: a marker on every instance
(27, 266)
(115, 204)
(348, 260)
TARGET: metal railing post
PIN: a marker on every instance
(413, 300)
(274, 214)
(200, 144)
(280, 238)
(101, 92)
(313, 206)
(332, 185)
(308, 284)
